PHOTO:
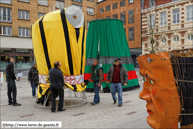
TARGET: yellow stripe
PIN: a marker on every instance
(56, 41)
(38, 49)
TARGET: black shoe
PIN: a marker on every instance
(92, 103)
(10, 104)
(38, 102)
(62, 110)
(16, 104)
(115, 101)
(52, 111)
(119, 105)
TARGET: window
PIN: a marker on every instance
(108, 8)
(176, 16)
(108, 17)
(151, 3)
(5, 1)
(131, 16)
(80, 1)
(115, 16)
(190, 13)
(123, 18)
(43, 2)
(41, 14)
(152, 41)
(5, 14)
(23, 32)
(163, 19)
(5, 30)
(176, 38)
(59, 4)
(77, 5)
(190, 37)
(131, 33)
(24, 1)
(22, 14)
(151, 21)
(88, 23)
(130, 1)
(114, 5)
(101, 10)
(122, 3)
(90, 11)
(163, 40)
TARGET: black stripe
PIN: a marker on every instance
(65, 28)
(82, 49)
(40, 90)
(77, 33)
(75, 88)
(44, 43)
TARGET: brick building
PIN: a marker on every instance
(129, 11)
(16, 18)
(172, 21)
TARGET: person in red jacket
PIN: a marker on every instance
(118, 76)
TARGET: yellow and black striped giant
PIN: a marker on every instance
(55, 39)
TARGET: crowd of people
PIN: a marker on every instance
(117, 76)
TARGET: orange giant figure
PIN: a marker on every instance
(159, 90)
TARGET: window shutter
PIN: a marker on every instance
(43, 2)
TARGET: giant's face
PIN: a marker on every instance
(159, 90)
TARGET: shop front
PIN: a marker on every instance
(23, 58)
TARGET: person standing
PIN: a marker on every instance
(118, 76)
(11, 87)
(56, 84)
(97, 77)
(33, 78)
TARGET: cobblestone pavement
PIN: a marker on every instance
(103, 115)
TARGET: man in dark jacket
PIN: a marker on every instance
(11, 87)
(97, 77)
(56, 84)
(33, 78)
(118, 76)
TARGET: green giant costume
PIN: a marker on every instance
(106, 40)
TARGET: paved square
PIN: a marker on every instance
(106, 114)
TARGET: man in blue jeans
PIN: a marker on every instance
(97, 77)
(33, 78)
(118, 76)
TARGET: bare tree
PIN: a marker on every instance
(152, 27)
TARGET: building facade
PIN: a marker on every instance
(16, 18)
(129, 11)
(171, 22)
